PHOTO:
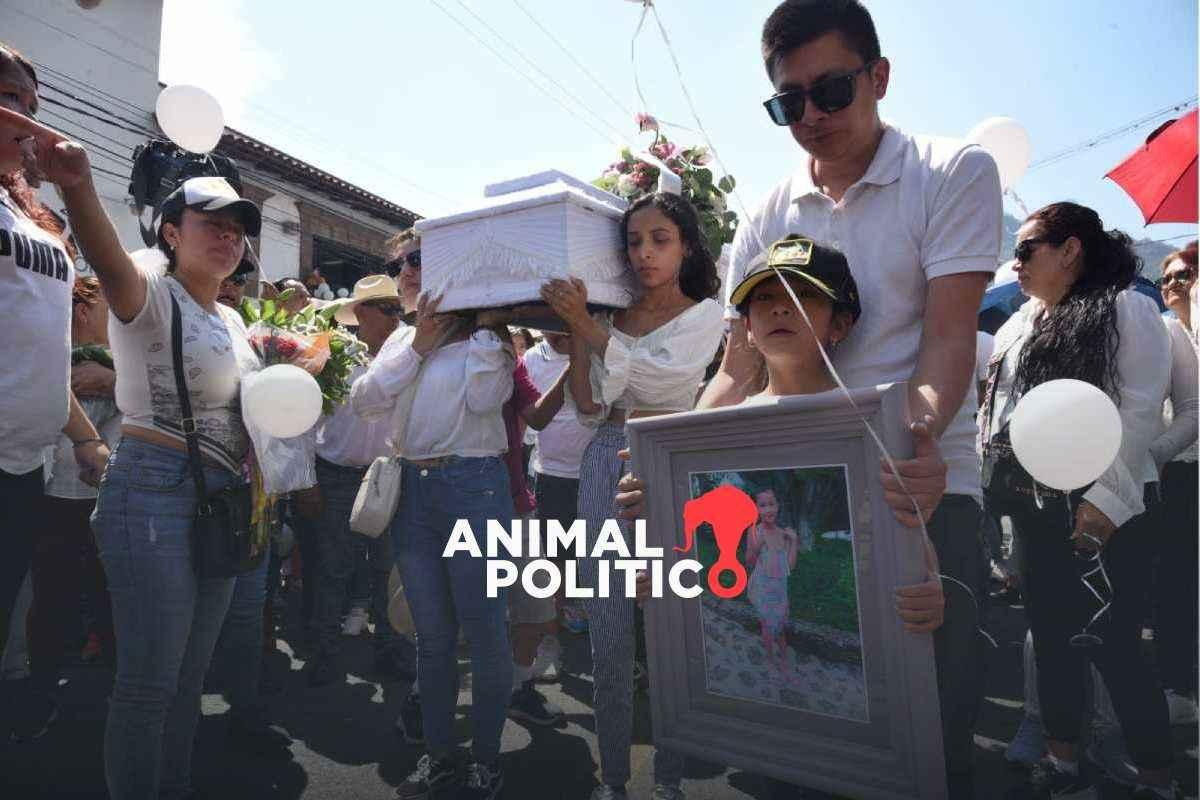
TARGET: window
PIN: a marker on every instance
(341, 264)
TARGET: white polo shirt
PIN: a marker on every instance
(925, 208)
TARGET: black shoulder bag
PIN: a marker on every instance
(222, 536)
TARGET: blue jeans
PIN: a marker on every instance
(166, 621)
(444, 593)
(240, 655)
(338, 550)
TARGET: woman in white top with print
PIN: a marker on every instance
(36, 403)
(1174, 452)
(647, 359)
(166, 620)
(453, 437)
(1083, 322)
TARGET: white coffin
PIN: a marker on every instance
(525, 232)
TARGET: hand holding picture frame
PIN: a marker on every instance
(806, 673)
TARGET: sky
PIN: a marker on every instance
(410, 99)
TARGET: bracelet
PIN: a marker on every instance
(82, 442)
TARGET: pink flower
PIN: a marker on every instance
(646, 122)
(700, 156)
(664, 150)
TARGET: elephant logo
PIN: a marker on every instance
(730, 512)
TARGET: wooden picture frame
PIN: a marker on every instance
(889, 746)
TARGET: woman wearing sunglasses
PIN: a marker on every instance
(1174, 451)
(1083, 322)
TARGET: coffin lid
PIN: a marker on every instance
(531, 191)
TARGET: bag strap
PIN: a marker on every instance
(398, 441)
(185, 403)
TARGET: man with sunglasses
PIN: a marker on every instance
(919, 219)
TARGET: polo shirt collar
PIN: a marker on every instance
(884, 169)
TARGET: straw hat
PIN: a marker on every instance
(369, 288)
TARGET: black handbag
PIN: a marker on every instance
(222, 535)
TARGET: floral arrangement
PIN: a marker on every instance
(631, 178)
(308, 339)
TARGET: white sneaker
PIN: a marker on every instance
(356, 622)
(1180, 708)
(546, 667)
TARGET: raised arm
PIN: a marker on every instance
(65, 163)
(539, 414)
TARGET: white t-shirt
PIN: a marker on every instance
(561, 443)
(36, 281)
(346, 439)
(454, 403)
(61, 467)
(926, 207)
(1177, 441)
(216, 354)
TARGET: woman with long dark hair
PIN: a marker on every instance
(166, 617)
(1083, 322)
(37, 276)
(644, 360)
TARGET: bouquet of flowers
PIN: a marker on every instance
(310, 340)
(630, 178)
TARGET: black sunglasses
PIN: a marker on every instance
(829, 95)
(1186, 275)
(1024, 249)
(394, 266)
(238, 279)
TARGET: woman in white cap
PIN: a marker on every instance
(166, 619)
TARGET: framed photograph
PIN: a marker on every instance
(792, 661)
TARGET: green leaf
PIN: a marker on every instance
(726, 184)
(268, 309)
(705, 177)
(326, 313)
(249, 309)
(281, 317)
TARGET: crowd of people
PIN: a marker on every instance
(876, 251)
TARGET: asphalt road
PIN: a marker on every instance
(344, 746)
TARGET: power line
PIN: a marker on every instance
(140, 128)
(539, 70)
(122, 59)
(517, 70)
(566, 51)
(87, 87)
(69, 121)
(1108, 136)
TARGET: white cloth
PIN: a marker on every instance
(346, 439)
(36, 281)
(926, 208)
(455, 405)
(1143, 364)
(561, 443)
(216, 354)
(1181, 414)
(61, 469)
(984, 342)
(660, 371)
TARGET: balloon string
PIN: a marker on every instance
(633, 56)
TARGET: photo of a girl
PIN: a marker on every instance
(771, 555)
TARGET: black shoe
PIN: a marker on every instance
(1146, 793)
(1049, 781)
(430, 778)
(259, 739)
(37, 713)
(395, 666)
(483, 782)
(323, 671)
(529, 705)
(410, 725)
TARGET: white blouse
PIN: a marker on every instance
(453, 407)
(1143, 364)
(660, 371)
(1177, 441)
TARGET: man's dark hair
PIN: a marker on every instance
(795, 23)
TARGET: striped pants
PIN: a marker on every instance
(611, 624)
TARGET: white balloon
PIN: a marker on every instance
(1065, 433)
(150, 259)
(281, 400)
(1007, 142)
(190, 116)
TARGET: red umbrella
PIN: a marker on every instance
(1160, 175)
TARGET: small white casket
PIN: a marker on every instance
(525, 232)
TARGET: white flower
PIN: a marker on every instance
(626, 186)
